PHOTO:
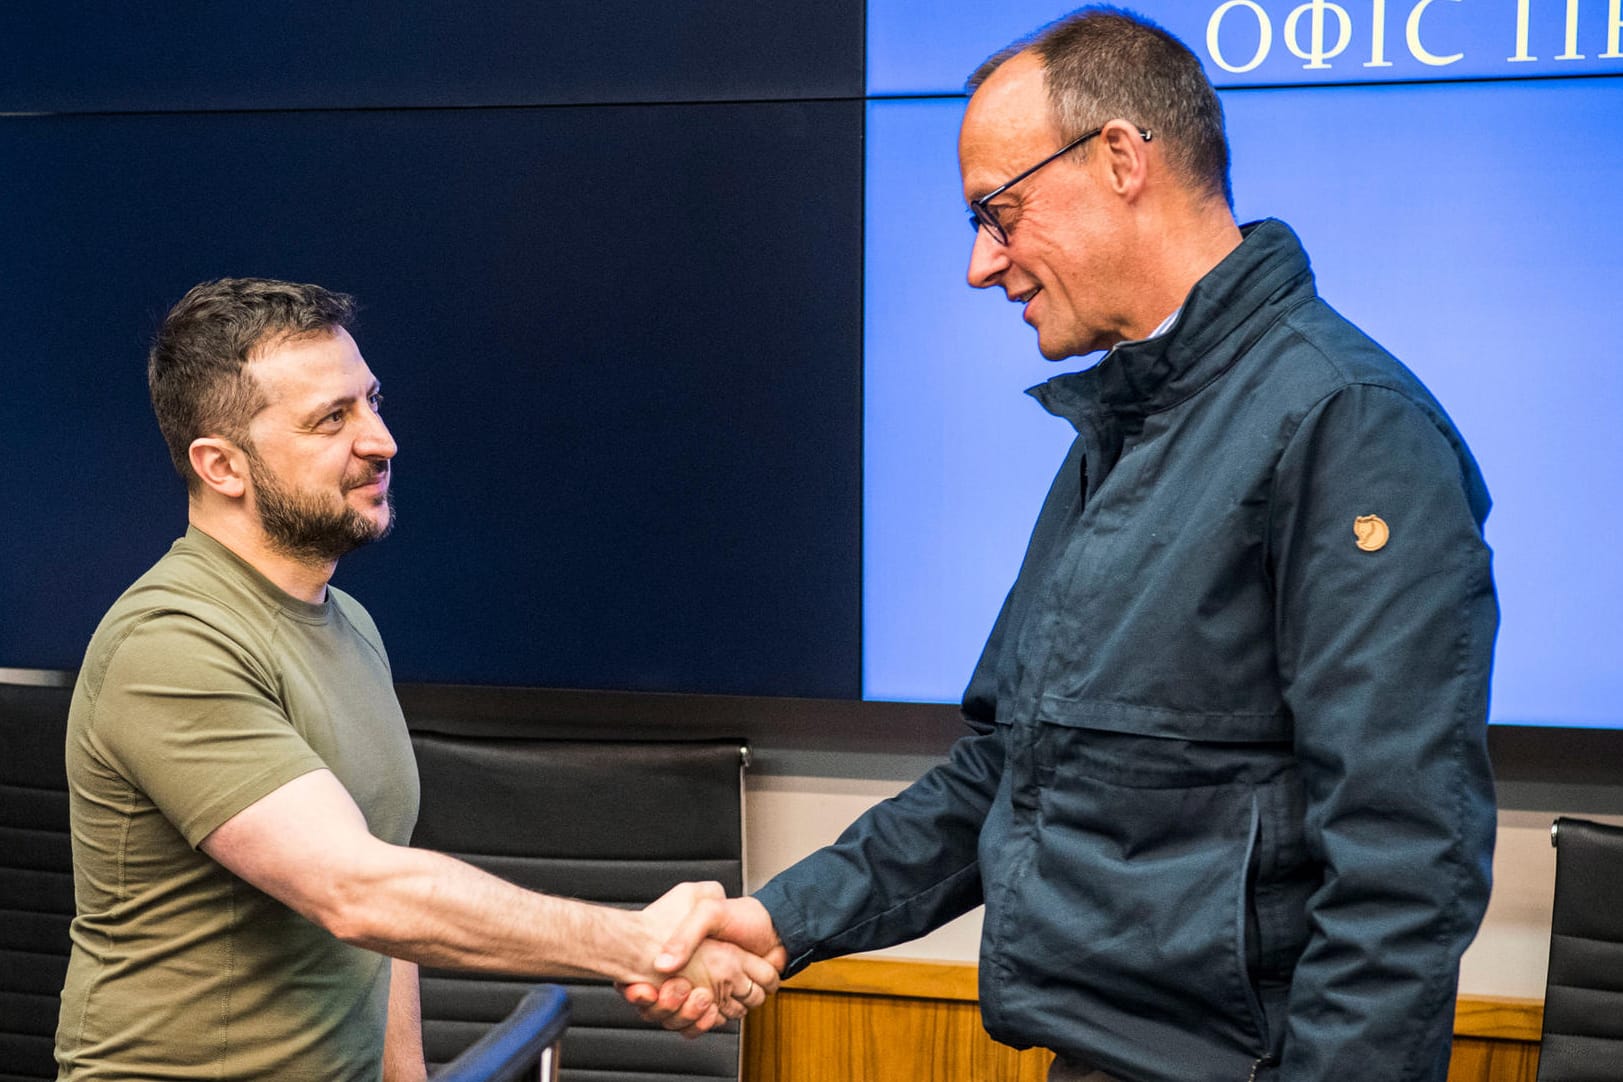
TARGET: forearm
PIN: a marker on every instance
(1374, 989)
(429, 908)
(306, 844)
(907, 866)
(403, 1041)
(1407, 835)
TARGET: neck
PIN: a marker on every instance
(302, 579)
(1179, 247)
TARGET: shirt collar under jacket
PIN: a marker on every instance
(1153, 374)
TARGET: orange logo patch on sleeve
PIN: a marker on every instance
(1371, 531)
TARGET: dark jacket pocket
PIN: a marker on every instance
(1137, 914)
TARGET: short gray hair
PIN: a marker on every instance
(1101, 63)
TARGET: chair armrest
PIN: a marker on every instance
(514, 1048)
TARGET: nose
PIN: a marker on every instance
(987, 260)
(374, 440)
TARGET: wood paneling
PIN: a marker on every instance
(883, 1019)
(805, 1036)
(1499, 1018)
(1479, 1060)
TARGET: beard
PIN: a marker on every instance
(307, 527)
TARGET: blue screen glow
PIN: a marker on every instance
(1474, 229)
(929, 46)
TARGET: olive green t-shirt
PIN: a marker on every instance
(205, 688)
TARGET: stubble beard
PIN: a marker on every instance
(307, 528)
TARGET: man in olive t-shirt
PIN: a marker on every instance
(241, 785)
(204, 689)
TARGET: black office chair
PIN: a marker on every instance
(524, 1048)
(1583, 997)
(36, 869)
(605, 821)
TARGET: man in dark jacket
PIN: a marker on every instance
(1226, 795)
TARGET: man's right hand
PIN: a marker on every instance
(742, 921)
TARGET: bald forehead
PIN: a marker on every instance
(1013, 100)
(1007, 126)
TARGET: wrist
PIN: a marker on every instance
(598, 941)
(765, 915)
(635, 938)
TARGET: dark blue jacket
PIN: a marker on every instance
(1226, 797)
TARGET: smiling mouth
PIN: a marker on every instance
(1024, 300)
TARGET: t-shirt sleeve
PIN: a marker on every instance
(193, 720)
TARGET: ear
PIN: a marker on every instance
(1126, 156)
(221, 464)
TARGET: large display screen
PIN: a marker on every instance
(929, 46)
(691, 393)
(1472, 227)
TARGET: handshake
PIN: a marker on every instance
(717, 958)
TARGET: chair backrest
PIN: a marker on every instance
(604, 821)
(36, 874)
(1583, 997)
(524, 1047)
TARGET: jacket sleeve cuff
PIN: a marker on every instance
(789, 921)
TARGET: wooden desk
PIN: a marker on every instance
(895, 1020)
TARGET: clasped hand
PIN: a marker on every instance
(719, 958)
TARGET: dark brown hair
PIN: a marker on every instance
(197, 368)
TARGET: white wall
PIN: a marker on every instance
(798, 801)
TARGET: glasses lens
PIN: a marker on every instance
(986, 219)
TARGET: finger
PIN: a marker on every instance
(761, 972)
(658, 1004)
(753, 996)
(637, 993)
(745, 994)
(674, 994)
(778, 959)
(695, 1009)
(667, 1006)
(711, 1019)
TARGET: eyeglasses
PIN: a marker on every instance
(982, 215)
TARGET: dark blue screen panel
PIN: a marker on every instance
(1489, 267)
(619, 345)
(88, 55)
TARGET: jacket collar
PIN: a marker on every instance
(1217, 324)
